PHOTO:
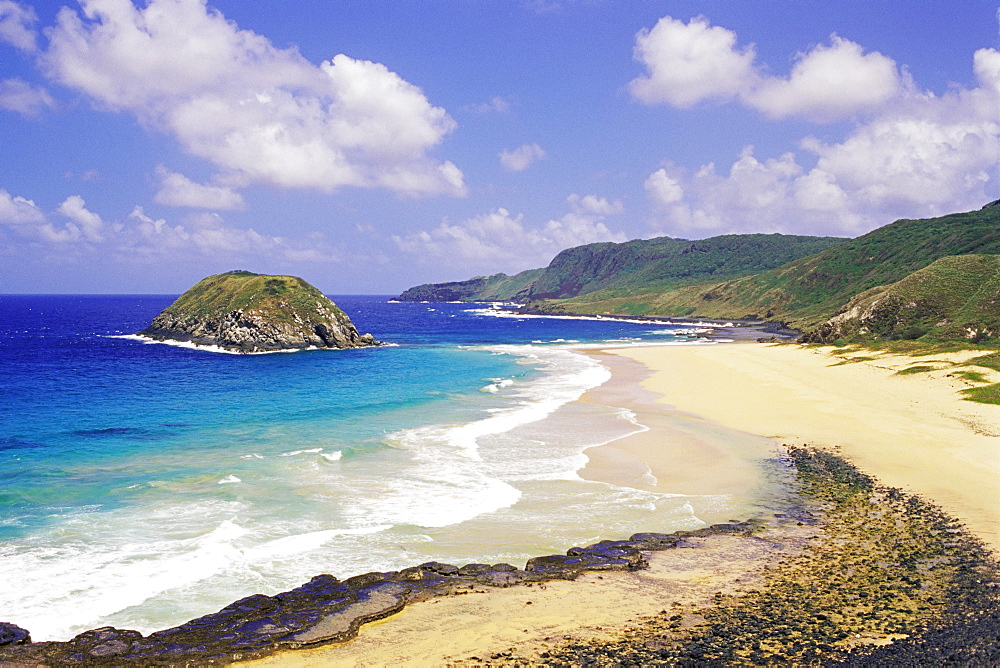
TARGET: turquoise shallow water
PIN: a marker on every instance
(142, 485)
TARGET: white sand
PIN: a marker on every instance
(913, 431)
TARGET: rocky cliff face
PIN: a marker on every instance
(245, 312)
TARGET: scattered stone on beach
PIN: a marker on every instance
(891, 580)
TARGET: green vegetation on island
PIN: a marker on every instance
(247, 312)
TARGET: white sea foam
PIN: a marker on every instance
(568, 376)
(296, 544)
(210, 349)
(65, 588)
(500, 313)
(498, 384)
(332, 456)
(310, 451)
(447, 480)
(229, 480)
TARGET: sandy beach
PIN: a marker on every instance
(911, 431)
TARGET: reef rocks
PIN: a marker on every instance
(13, 635)
(328, 610)
(244, 312)
(889, 580)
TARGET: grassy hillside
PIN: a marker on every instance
(634, 266)
(498, 287)
(808, 291)
(665, 263)
(280, 297)
(955, 297)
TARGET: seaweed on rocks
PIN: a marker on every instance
(891, 580)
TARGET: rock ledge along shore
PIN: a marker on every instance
(888, 580)
(243, 312)
(328, 610)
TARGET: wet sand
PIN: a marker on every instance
(913, 431)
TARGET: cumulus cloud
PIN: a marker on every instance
(206, 233)
(521, 157)
(140, 237)
(909, 153)
(663, 188)
(83, 225)
(20, 96)
(935, 156)
(689, 63)
(178, 190)
(593, 205)
(260, 113)
(501, 241)
(16, 210)
(16, 25)
(829, 83)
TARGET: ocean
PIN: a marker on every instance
(143, 485)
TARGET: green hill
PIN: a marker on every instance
(634, 266)
(802, 281)
(955, 297)
(498, 287)
(246, 312)
(808, 291)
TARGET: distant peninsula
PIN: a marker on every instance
(244, 312)
(928, 280)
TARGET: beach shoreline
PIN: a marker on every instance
(690, 447)
(745, 394)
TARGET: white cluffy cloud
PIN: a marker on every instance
(16, 21)
(17, 211)
(178, 190)
(259, 113)
(74, 230)
(913, 154)
(689, 63)
(500, 240)
(521, 157)
(20, 96)
(26, 219)
(83, 225)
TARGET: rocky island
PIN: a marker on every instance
(244, 312)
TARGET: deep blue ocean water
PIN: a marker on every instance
(142, 484)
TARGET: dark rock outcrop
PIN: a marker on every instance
(13, 635)
(328, 610)
(249, 313)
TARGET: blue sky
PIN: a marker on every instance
(371, 146)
